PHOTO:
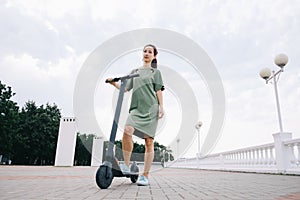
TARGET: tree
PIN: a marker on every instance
(84, 144)
(37, 135)
(9, 119)
(139, 151)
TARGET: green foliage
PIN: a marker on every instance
(160, 152)
(9, 119)
(27, 136)
(84, 144)
(37, 135)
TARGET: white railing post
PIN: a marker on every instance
(261, 160)
(257, 156)
(267, 155)
(273, 156)
(252, 157)
(298, 156)
(272, 159)
(281, 151)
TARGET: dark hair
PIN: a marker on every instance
(154, 61)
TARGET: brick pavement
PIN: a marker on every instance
(31, 182)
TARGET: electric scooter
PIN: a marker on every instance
(110, 168)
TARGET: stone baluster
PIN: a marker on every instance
(261, 152)
(227, 159)
(298, 157)
(252, 157)
(292, 156)
(241, 157)
(240, 160)
(245, 157)
(249, 158)
(266, 155)
(271, 160)
(262, 155)
(235, 155)
(257, 156)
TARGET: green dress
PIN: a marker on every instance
(143, 112)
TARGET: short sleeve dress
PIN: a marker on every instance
(144, 107)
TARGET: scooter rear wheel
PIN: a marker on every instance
(104, 176)
(135, 169)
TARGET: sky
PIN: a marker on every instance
(45, 43)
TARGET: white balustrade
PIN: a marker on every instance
(262, 158)
(293, 149)
(298, 157)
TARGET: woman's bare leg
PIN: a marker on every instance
(127, 144)
(149, 155)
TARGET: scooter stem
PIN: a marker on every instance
(110, 154)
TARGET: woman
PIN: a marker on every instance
(145, 110)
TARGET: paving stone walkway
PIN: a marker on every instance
(31, 182)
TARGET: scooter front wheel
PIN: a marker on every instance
(104, 176)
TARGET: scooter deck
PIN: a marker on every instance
(117, 172)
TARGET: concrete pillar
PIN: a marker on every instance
(282, 153)
(97, 151)
(65, 150)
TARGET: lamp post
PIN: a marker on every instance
(282, 152)
(198, 126)
(280, 60)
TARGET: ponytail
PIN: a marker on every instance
(154, 63)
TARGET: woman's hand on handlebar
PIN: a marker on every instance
(110, 81)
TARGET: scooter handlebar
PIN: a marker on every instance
(112, 80)
(122, 78)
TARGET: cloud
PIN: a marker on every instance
(47, 9)
(24, 34)
(44, 43)
(41, 81)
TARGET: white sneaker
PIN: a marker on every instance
(125, 169)
(143, 181)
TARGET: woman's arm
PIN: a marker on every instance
(117, 85)
(160, 102)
